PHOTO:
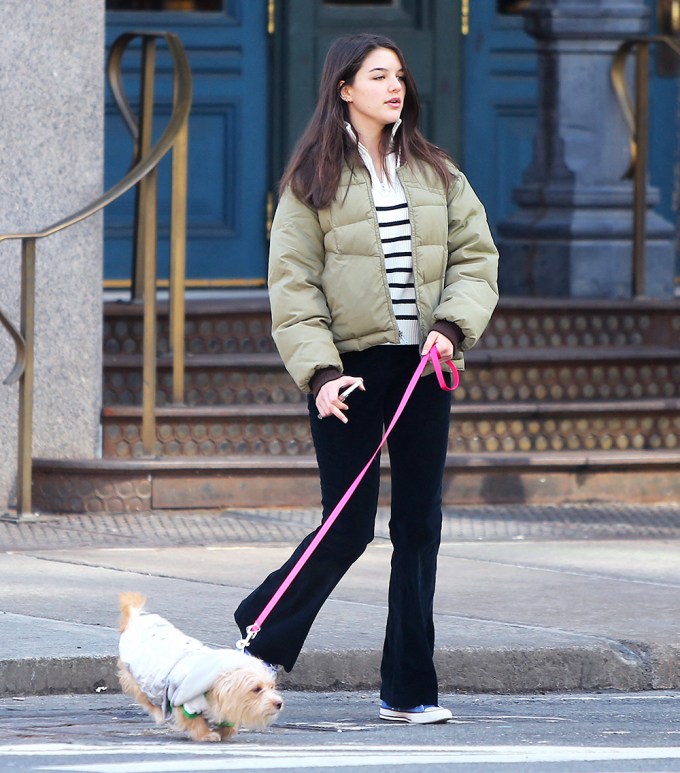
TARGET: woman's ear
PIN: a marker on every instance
(343, 90)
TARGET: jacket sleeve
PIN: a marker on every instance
(300, 317)
(470, 289)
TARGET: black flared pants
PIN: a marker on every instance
(417, 451)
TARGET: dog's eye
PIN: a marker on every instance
(257, 689)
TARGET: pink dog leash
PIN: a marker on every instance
(431, 356)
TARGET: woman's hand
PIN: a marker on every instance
(328, 402)
(443, 344)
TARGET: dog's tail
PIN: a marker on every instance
(129, 602)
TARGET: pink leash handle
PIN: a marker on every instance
(431, 356)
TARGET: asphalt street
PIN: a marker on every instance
(559, 733)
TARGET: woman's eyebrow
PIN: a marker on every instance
(386, 69)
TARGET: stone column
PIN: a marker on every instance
(51, 155)
(572, 233)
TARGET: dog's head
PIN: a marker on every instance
(245, 696)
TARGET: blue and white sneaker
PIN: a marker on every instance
(418, 715)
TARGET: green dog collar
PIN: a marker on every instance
(189, 715)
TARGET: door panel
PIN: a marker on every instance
(499, 104)
(664, 130)
(227, 51)
(428, 32)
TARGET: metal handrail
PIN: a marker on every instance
(143, 174)
(635, 113)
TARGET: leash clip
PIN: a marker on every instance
(251, 633)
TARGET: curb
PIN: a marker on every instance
(58, 676)
(624, 666)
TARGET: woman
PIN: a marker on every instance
(380, 250)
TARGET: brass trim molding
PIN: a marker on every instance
(143, 174)
(126, 284)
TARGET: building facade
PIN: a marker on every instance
(256, 66)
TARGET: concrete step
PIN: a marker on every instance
(283, 430)
(514, 375)
(564, 401)
(138, 485)
(242, 324)
(212, 326)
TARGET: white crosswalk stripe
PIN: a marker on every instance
(152, 758)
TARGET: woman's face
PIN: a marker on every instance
(376, 97)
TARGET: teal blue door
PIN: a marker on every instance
(499, 103)
(226, 43)
(664, 122)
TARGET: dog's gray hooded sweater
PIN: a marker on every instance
(171, 668)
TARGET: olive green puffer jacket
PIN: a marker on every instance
(327, 282)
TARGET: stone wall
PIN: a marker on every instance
(51, 155)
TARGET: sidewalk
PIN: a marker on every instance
(529, 598)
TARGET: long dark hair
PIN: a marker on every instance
(314, 169)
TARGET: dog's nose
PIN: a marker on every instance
(278, 705)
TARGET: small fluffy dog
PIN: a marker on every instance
(209, 693)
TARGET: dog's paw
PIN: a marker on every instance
(212, 736)
(226, 733)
